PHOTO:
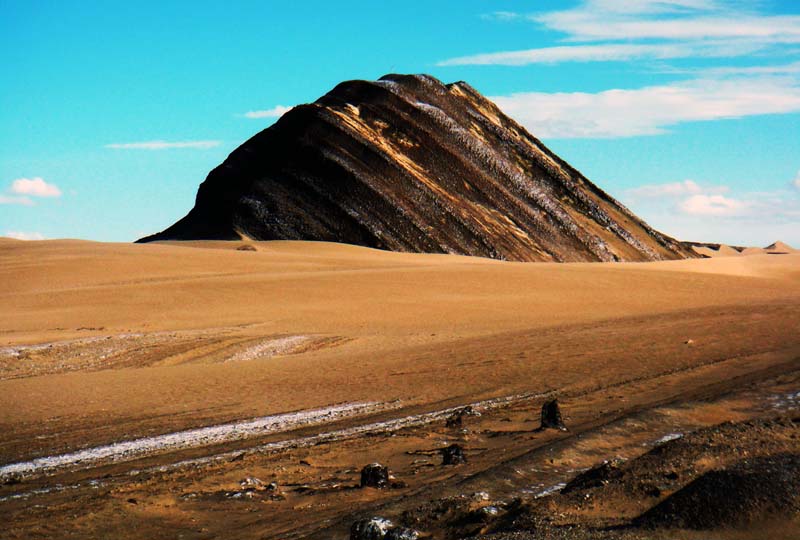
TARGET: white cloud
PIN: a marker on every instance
(502, 16)
(35, 187)
(25, 235)
(649, 110)
(796, 182)
(594, 20)
(625, 30)
(275, 112)
(782, 69)
(603, 53)
(673, 189)
(714, 205)
(162, 145)
(11, 199)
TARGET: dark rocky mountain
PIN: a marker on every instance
(407, 163)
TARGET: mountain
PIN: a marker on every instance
(407, 163)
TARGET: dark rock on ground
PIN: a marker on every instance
(375, 475)
(595, 477)
(374, 528)
(749, 492)
(407, 163)
(453, 455)
(456, 420)
(401, 533)
(551, 416)
(247, 247)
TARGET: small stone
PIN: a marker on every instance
(480, 496)
(374, 528)
(12, 480)
(251, 482)
(401, 533)
(247, 247)
(551, 416)
(456, 420)
(453, 455)
(375, 475)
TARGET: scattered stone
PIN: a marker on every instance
(305, 463)
(247, 247)
(401, 533)
(374, 528)
(132, 501)
(689, 342)
(12, 480)
(596, 476)
(453, 455)
(551, 416)
(252, 482)
(375, 475)
(456, 420)
(486, 513)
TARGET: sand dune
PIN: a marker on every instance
(111, 350)
(394, 308)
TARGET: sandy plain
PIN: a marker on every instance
(102, 343)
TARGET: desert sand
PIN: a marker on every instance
(103, 343)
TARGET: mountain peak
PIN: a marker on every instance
(408, 163)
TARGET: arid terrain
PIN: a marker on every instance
(202, 390)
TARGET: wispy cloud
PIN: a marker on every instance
(19, 235)
(649, 110)
(595, 20)
(11, 199)
(35, 187)
(673, 189)
(162, 145)
(620, 30)
(503, 16)
(603, 52)
(275, 112)
(796, 182)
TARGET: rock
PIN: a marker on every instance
(484, 514)
(551, 416)
(375, 475)
(401, 533)
(252, 482)
(456, 420)
(453, 455)
(748, 492)
(407, 163)
(374, 528)
(596, 476)
(247, 247)
(12, 480)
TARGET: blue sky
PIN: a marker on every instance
(112, 113)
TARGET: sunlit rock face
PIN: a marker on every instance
(407, 163)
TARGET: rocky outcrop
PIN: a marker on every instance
(407, 163)
(551, 416)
